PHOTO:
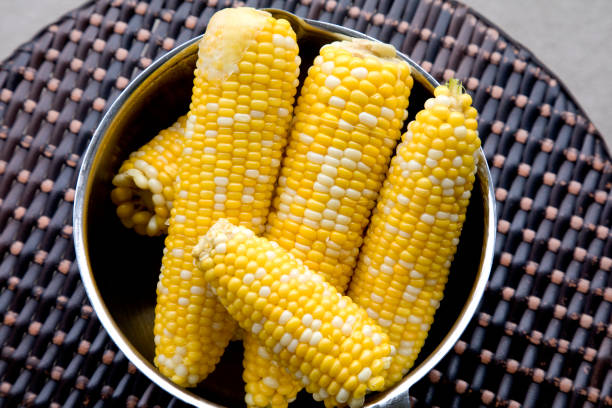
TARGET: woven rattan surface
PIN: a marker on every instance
(542, 336)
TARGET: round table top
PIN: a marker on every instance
(542, 335)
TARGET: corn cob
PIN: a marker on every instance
(346, 123)
(322, 337)
(411, 241)
(244, 89)
(143, 190)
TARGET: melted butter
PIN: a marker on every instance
(365, 48)
(229, 34)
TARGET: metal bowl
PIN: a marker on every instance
(120, 268)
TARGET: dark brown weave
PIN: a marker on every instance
(542, 336)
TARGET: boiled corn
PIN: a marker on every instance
(347, 120)
(244, 89)
(143, 190)
(411, 241)
(324, 339)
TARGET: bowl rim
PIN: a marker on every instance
(398, 392)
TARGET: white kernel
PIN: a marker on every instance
(277, 348)
(384, 322)
(334, 204)
(320, 188)
(460, 181)
(368, 119)
(353, 194)
(460, 132)
(183, 301)
(185, 274)
(348, 163)
(466, 195)
(414, 165)
(221, 181)
(197, 290)
(252, 173)
(211, 133)
(402, 199)
(181, 370)
(283, 112)
(387, 113)
(428, 218)
(225, 121)
(248, 278)
(377, 298)
(183, 194)
(343, 219)
(364, 167)
(325, 179)
(431, 163)
(256, 328)
(180, 218)
(373, 271)
(212, 107)
(270, 381)
(344, 125)
(343, 229)
(448, 192)
(316, 338)
(443, 215)
(257, 114)
(457, 162)
(306, 336)
(337, 322)
(384, 268)
(365, 374)
(336, 192)
(242, 117)
(292, 346)
(285, 340)
(261, 272)
(337, 102)
(399, 319)
(316, 324)
(284, 317)
(177, 253)
(332, 81)
(391, 229)
(315, 157)
(454, 217)
(313, 215)
(307, 319)
(306, 139)
(435, 154)
(329, 171)
(342, 396)
(327, 67)
(221, 248)
(447, 183)
(220, 198)
(359, 72)
(455, 241)
(376, 339)
(264, 291)
(372, 313)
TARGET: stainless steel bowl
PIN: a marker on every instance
(120, 268)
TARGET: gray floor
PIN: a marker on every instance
(571, 37)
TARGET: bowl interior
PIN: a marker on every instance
(125, 266)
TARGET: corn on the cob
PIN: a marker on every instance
(322, 337)
(411, 241)
(244, 89)
(267, 383)
(143, 190)
(347, 120)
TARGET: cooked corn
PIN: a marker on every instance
(244, 89)
(414, 232)
(323, 338)
(143, 190)
(347, 122)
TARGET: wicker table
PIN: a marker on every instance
(542, 336)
